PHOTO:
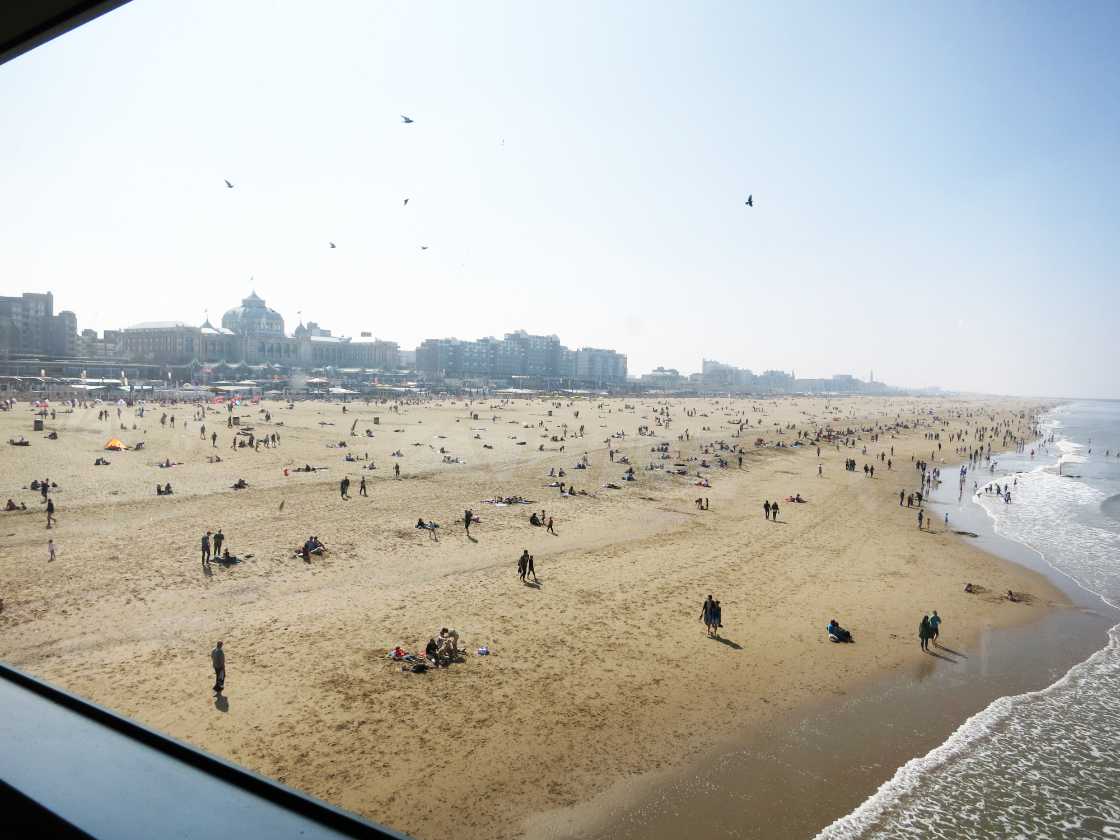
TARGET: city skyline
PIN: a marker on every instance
(255, 334)
(925, 212)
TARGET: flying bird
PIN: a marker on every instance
(333, 245)
(406, 120)
(406, 202)
(423, 247)
(750, 201)
(228, 184)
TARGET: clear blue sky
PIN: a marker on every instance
(935, 184)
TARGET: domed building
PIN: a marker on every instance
(253, 319)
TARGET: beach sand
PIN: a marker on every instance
(599, 678)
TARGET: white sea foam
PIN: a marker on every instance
(1037, 764)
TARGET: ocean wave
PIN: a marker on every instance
(1111, 506)
(873, 816)
(1040, 763)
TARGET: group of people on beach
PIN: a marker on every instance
(212, 542)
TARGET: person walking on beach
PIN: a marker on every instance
(924, 632)
(468, 516)
(774, 511)
(50, 512)
(706, 613)
(362, 487)
(344, 487)
(550, 529)
(523, 564)
(934, 626)
(717, 618)
(901, 497)
(921, 516)
(396, 470)
(206, 550)
(218, 660)
(219, 538)
(50, 551)
(530, 570)
(766, 508)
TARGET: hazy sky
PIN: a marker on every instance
(935, 185)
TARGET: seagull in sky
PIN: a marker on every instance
(406, 120)
(423, 247)
(406, 202)
(333, 245)
(228, 184)
(750, 201)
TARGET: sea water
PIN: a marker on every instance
(1046, 763)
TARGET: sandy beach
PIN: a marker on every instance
(599, 679)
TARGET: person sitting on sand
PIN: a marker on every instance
(448, 643)
(534, 520)
(1012, 597)
(838, 633)
(240, 484)
(431, 652)
(969, 588)
(11, 505)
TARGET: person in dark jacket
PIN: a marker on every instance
(218, 660)
(925, 632)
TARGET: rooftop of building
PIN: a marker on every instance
(158, 325)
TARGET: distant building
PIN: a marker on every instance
(29, 327)
(108, 346)
(718, 376)
(533, 359)
(253, 334)
(664, 379)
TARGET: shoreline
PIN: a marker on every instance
(785, 781)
